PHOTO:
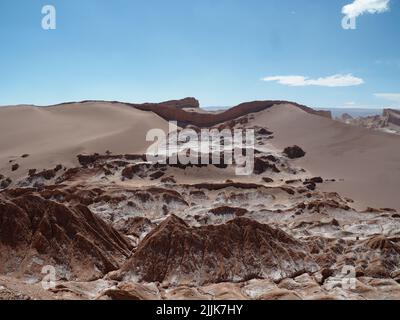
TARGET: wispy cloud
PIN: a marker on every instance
(337, 80)
(395, 97)
(359, 7)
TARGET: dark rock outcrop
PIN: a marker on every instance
(260, 166)
(294, 152)
(221, 211)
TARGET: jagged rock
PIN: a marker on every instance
(74, 240)
(134, 226)
(260, 166)
(239, 250)
(389, 121)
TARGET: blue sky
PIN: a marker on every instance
(216, 50)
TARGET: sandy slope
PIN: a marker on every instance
(368, 161)
(57, 134)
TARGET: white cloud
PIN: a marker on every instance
(389, 96)
(337, 80)
(359, 7)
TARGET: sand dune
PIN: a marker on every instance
(368, 161)
(53, 135)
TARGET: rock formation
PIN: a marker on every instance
(75, 240)
(171, 113)
(239, 250)
(389, 121)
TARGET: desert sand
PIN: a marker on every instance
(365, 163)
(56, 134)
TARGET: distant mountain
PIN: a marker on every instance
(354, 112)
(388, 121)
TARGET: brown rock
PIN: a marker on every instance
(73, 237)
(136, 169)
(221, 211)
(294, 152)
(239, 250)
(86, 159)
(260, 166)
(5, 183)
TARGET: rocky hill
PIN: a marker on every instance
(241, 249)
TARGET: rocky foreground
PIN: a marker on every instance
(116, 226)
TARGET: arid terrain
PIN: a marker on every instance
(388, 121)
(319, 218)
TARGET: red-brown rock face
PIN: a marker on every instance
(170, 112)
(239, 250)
(183, 103)
(71, 239)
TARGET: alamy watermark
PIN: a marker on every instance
(203, 147)
(49, 279)
(347, 279)
(349, 23)
(49, 20)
